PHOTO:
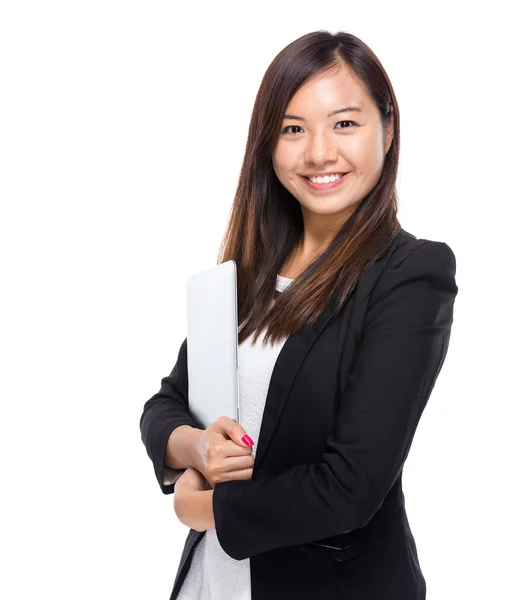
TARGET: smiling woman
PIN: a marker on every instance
(321, 168)
(342, 154)
(344, 324)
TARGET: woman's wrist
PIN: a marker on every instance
(182, 448)
(193, 445)
(207, 509)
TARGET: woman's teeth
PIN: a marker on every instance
(326, 179)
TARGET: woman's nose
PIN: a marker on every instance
(321, 149)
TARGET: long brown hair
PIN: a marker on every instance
(266, 224)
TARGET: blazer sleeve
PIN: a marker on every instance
(162, 414)
(403, 345)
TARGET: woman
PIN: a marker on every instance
(345, 322)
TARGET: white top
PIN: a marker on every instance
(213, 574)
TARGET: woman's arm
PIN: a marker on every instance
(193, 501)
(194, 509)
(161, 423)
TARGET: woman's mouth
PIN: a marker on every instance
(323, 185)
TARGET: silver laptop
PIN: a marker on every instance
(212, 344)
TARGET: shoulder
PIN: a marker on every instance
(415, 264)
(415, 288)
(419, 251)
(407, 258)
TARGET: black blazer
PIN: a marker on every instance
(324, 513)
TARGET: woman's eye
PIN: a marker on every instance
(285, 130)
(339, 122)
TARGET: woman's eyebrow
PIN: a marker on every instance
(334, 112)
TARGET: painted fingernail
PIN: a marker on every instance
(247, 440)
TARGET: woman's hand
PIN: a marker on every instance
(223, 455)
(193, 500)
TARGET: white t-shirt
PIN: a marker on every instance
(213, 574)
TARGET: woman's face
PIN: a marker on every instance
(312, 142)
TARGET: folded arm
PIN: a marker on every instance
(162, 413)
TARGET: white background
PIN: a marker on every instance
(123, 126)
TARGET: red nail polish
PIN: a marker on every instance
(247, 440)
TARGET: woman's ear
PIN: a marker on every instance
(389, 135)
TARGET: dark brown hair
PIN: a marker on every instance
(265, 223)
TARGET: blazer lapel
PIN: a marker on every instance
(293, 353)
(285, 369)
